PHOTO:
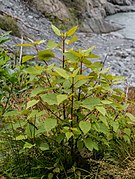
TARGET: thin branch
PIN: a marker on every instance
(21, 49)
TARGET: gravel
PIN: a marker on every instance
(120, 51)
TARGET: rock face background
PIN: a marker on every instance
(91, 13)
(29, 18)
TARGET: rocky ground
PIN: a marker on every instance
(120, 51)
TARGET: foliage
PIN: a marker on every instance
(62, 112)
(9, 23)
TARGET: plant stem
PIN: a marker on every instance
(72, 102)
(79, 94)
(63, 66)
(72, 116)
(63, 50)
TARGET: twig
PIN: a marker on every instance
(21, 48)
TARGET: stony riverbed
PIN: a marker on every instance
(120, 51)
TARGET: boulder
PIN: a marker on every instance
(51, 8)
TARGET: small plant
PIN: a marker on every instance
(71, 110)
(8, 23)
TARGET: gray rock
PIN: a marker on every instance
(132, 53)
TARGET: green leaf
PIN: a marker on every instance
(103, 128)
(68, 135)
(50, 123)
(88, 51)
(26, 58)
(96, 65)
(51, 44)
(104, 120)
(56, 30)
(75, 72)
(39, 42)
(28, 145)
(127, 131)
(32, 103)
(115, 125)
(45, 55)
(72, 40)
(71, 57)
(131, 117)
(106, 102)
(85, 126)
(51, 99)
(25, 45)
(20, 137)
(61, 98)
(71, 31)
(81, 82)
(56, 170)
(37, 91)
(44, 146)
(101, 109)
(35, 113)
(50, 176)
(93, 56)
(90, 144)
(33, 70)
(61, 72)
(12, 113)
(91, 102)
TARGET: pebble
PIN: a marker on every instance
(121, 52)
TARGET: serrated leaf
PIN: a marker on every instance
(90, 144)
(26, 58)
(51, 99)
(50, 123)
(51, 44)
(101, 109)
(68, 135)
(131, 117)
(56, 30)
(61, 72)
(85, 126)
(61, 98)
(32, 103)
(71, 31)
(45, 55)
(44, 146)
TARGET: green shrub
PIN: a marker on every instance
(68, 110)
(8, 23)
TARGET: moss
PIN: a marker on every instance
(8, 23)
